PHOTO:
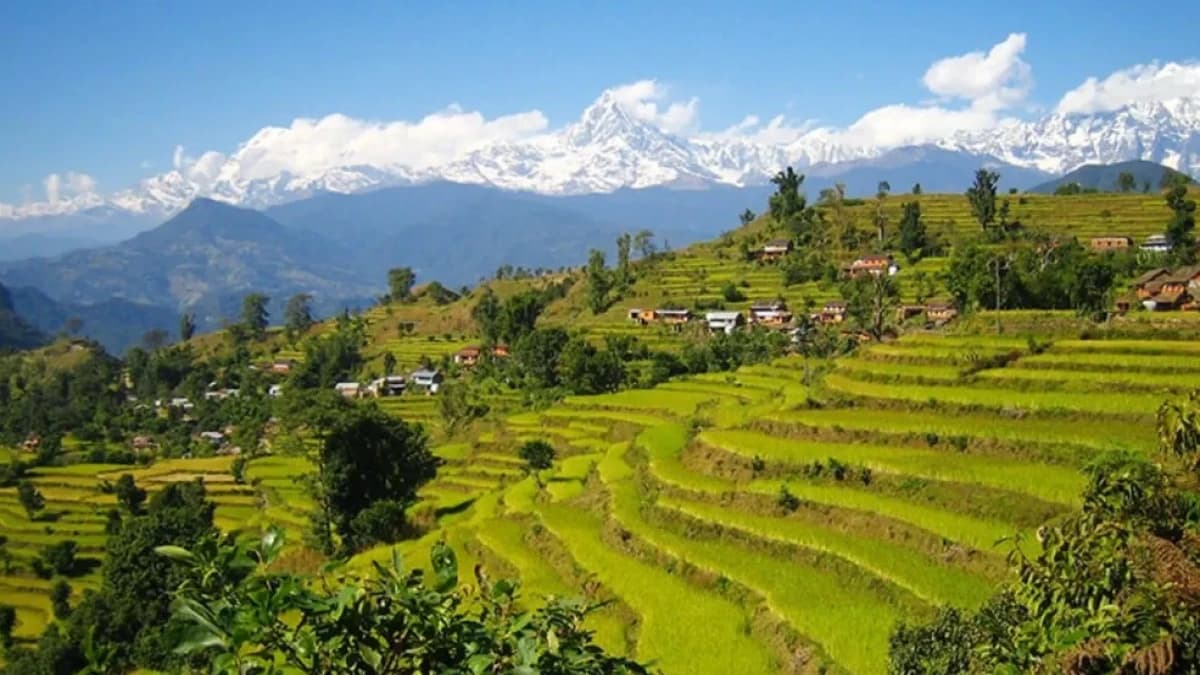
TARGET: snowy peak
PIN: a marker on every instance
(613, 146)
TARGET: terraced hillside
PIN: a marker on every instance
(752, 522)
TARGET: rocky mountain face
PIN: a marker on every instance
(608, 149)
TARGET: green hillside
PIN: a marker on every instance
(781, 515)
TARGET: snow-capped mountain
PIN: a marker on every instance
(610, 148)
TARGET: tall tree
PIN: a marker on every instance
(154, 339)
(880, 218)
(31, 499)
(982, 197)
(871, 301)
(538, 456)
(400, 283)
(255, 317)
(187, 327)
(623, 273)
(297, 314)
(913, 239)
(129, 495)
(916, 188)
(486, 313)
(599, 282)
(643, 242)
(389, 363)
(366, 457)
(747, 217)
(1126, 182)
(787, 200)
(1180, 231)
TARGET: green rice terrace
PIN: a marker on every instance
(735, 522)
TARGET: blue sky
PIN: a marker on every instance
(110, 89)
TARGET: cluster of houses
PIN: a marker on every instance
(425, 380)
(468, 357)
(775, 315)
(878, 264)
(1162, 289)
(1155, 243)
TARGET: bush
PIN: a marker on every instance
(786, 500)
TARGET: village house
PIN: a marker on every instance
(1163, 290)
(31, 443)
(469, 356)
(215, 438)
(388, 385)
(181, 403)
(939, 312)
(142, 444)
(834, 311)
(426, 378)
(275, 390)
(1110, 243)
(643, 316)
(775, 249)
(220, 394)
(348, 389)
(770, 313)
(1156, 243)
(875, 265)
(1148, 284)
(674, 317)
(724, 322)
(906, 312)
(282, 367)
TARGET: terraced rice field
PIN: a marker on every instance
(910, 469)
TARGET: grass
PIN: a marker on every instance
(1126, 404)
(1051, 483)
(1154, 363)
(673, 402)
(682, 629)
(1096, 434)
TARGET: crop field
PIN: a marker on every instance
(909, 466)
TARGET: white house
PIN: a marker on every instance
(348, 389)
(390, 385)
(726, 322)
(770, 313)
(1156, 243)
(214, 437)
(427, 379)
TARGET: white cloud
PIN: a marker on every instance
(994, 80)
(777, 131)
(987, 84)
(339, 140)
(1142, 83)
(203, 170)
(642, 100)
(68, 186)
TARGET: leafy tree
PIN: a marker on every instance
(5, 555)
(643, 242)
(1126, 182)
(459, 404)
(400, 283)
(1090, 286)
(245, 616)
(487, 315)
(916, 188)
(297, 314)
(536, 355)
(787, 200)
(332, 357)
(623, 274)
(31, 499)
(1179, 428)
(913, 239)
(731, 292)
(1067, 189)
(538, 456)
(60, 599)
(880, 218)
(58, 558)
(584, 369)
(154, 339)
(747, 217)
(8, 622)
(871, 302)
(982, 197)
(440, 295)
(389, 363)
(129, 495)
(366, 456)
(599, 282)
(1180, 231)
(254, 317)
(187, 327)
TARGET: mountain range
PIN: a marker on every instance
(1105, 177)
(609, 149)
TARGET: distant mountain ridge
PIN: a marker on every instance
(15, 331)
(609, 149)
(1105, 177)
